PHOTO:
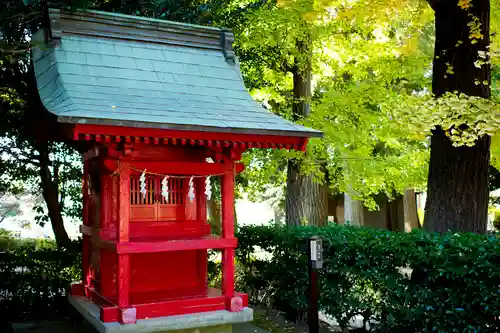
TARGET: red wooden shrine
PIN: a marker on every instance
(148, 252)
(151, 98)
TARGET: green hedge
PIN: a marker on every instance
(453, 286)
(11, 243)
(34, 281)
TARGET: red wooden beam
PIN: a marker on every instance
(174, 168)
(191, 135)
(210, 242)
(178, 307)
(166, 308)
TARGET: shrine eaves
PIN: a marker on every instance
(111, 69)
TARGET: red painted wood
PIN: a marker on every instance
(124, 203)
(123, 261)
(77, 289)
(303, 144)
(152, 282)
(244, 297)
(239, 167)
(158, 229)
(97, 298)
(106, 259)
(228, 276)
(172, 168)
(160, 245)
(150, 253)
(123, 281)
(158, 304)
(107, 262)
(169, 230)
(86, 238)
(184, 135)
(108, 313)
(178, 307)
(165, 308)
(227, 206)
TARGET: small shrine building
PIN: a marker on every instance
(160, 109)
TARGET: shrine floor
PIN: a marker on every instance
(66, 327)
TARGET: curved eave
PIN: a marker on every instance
(126, 81)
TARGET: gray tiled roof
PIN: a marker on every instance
(119, 78)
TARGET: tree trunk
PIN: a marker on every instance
(458, 177)
(410, 211)
(214, 215)
(354, 212)
(50, 194)
(306, 200)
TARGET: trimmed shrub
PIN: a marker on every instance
(34, 282)
(398, 282)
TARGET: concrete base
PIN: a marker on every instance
(191, 323)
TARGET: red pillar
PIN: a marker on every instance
(227, 207)
(201, 216)
(122, 235)
(106, 259)
(86, 222)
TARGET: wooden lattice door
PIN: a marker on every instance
(153, 206)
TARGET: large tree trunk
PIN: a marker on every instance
(458, 177)
(50, 194)
(306, 199)
(354, 211)
(410, 211)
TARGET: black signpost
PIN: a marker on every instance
(315, 252)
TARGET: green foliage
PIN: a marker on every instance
(33, 282)
(9, 242)
(363, 55)
(453, 285)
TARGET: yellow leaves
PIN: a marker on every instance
(464, 4)
(310, 17)
(449, 69)
(464, 118)
(284, 3)
(474, 29)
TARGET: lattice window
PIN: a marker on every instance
(136, 197)
(176, 191)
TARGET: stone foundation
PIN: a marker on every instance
(203, 322)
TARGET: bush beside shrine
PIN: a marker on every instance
(34, 281)
(399, 282)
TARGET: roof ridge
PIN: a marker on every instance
(139, 18)
(128, 27)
